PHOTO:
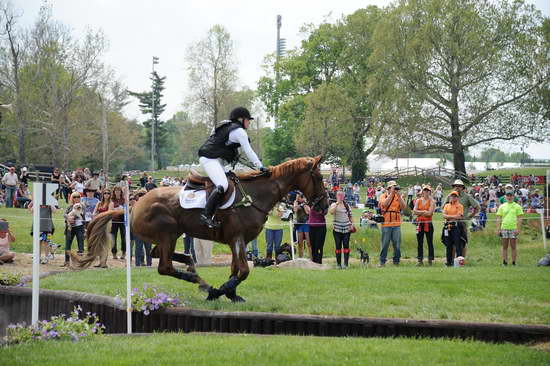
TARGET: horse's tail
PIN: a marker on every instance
(98, 236)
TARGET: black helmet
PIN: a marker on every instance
(239, 112)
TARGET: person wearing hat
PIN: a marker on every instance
(508, 226)
(468, 204)
(10, 180)
(73, 227)
(93, 184)
(452, 235)
(424, 208)
(391, 204)
(221, 149)
(508, 188)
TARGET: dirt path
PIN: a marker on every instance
(23, 263)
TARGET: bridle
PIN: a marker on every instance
(317, 198)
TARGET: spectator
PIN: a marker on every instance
(10, 180)
(509, 226)
(56, 178)
(301, 211)
(143, 180)
(6, 238)
(117, 203)
(74, 226)
(356, 192)
(367, 220)
(391, 204)
(46, 228)
(143, 248)
(274, 230)
(23, 196)
(438, 196)
(254, 244)
(410, 195)
(424, 208)
(90, 204)
(189, 247)
(453, 238)
(103, 205)
(77, 185)
(66, 189)
(150, 184)
(317, 234)
(93, 184)
(508, 188)
(341, 228)
(470, 209)
(24, 177)
(103, 180)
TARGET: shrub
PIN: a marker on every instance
(151, 299)
(58, 327)
(11, 279)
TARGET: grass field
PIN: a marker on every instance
(509, 172)
(214, 349)
(475, 293)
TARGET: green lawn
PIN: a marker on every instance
(476, 293)
(214, 349)
(509, 172)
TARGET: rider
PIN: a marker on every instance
(221, 149)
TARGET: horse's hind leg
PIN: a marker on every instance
(165, 253)
(177, 257)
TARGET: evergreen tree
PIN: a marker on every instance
(146, 106)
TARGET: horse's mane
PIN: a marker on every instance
(286, 168)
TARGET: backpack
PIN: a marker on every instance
(544, 261)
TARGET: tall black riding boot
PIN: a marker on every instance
(214, 201)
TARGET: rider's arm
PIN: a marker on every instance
(239, 136)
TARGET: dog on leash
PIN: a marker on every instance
(365, 259)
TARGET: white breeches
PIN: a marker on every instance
(215, 172)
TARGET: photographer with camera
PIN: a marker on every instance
(391, 204)
(301, 216)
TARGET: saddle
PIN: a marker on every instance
(197, 182)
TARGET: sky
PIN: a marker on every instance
(137, 30)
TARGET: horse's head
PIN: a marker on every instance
(310, 182)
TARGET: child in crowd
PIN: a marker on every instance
(509, 226)
(6, 238)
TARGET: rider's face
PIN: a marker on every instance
(246, 122)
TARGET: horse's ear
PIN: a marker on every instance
(317, 161)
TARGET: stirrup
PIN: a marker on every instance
(210, 222)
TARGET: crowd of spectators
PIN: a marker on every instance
(386, 205)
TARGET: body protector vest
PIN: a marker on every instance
(216, 145)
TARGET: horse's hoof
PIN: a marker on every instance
(237, 298)
(213, 294)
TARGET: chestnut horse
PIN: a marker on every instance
(158, 218)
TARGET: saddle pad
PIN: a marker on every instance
(197, 199)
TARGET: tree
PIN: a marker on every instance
(212, 75)
(337, 55)
(146, 100)
(462, 73)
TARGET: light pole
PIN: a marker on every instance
(154, 118)
(281, 46)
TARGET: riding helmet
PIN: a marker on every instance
(240, 112)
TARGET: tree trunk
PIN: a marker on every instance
(358, 160)
(104, 137)
(65, 142)
(459, 161)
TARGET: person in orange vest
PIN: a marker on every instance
(391, 204)
(453, 212)
(424, 208)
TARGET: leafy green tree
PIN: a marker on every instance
(461, 73)
(146, 100)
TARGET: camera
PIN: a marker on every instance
(397, 188)
(378, 218)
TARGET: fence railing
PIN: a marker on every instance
(15, 306)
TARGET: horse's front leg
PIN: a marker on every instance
(239, 272)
